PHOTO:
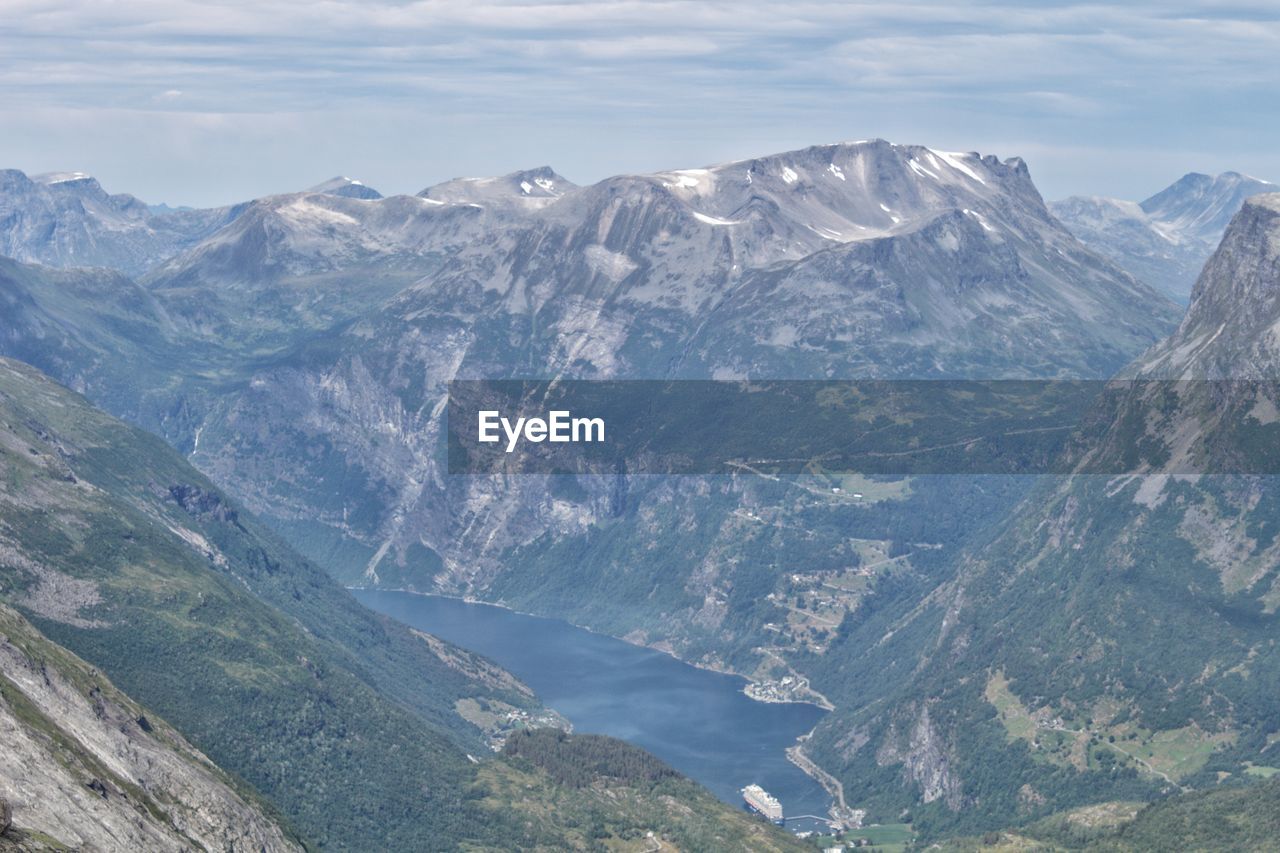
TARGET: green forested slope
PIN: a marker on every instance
(589, 792)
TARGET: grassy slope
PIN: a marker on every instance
(1235, 818)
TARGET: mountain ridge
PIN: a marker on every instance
(1165, 239)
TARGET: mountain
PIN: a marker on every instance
(348, 187)
(1203, 205)
(1115, 637)
(1166, 239)
(302, 354)
(86, 767)
(865, 259)
(66, 219)
(291, 267)
(1227, 332)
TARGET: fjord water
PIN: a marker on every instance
(699, 722)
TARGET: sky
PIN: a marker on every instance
(203, 102)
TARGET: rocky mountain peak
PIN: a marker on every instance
(1166, 239)
(1203, 204)
(66, 179)
(341, 185)
(527, 187)
(1232, 327)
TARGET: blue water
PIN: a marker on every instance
(697, 721)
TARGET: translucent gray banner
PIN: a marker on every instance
(882, 427)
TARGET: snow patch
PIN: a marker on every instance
(921, 170)
(305, 210)
(526, 187)
(835, 170)
(711, 220)
(956, 161)
(979, 217)
(789, 175)
(829, 233)
(685, 179)
(60, 177)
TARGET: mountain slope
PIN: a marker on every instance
(121, 552)
(346, 721)
(1166, 239)
(87, 767)
(1117, 635)
(1236, 817)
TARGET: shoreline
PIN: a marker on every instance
(821, 702)
(839, 810)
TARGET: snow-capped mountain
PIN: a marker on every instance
(526, 188)
(852, 260)
(1166, 239)
(1203, 205)
(936, 263)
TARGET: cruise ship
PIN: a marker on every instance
(761, 802)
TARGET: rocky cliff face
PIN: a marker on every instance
(87, 768)
(1229, 331)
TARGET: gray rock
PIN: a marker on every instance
(347, 187)
(68, 220)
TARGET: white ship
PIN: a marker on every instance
(761, 802)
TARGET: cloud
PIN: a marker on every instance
(697, 79)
